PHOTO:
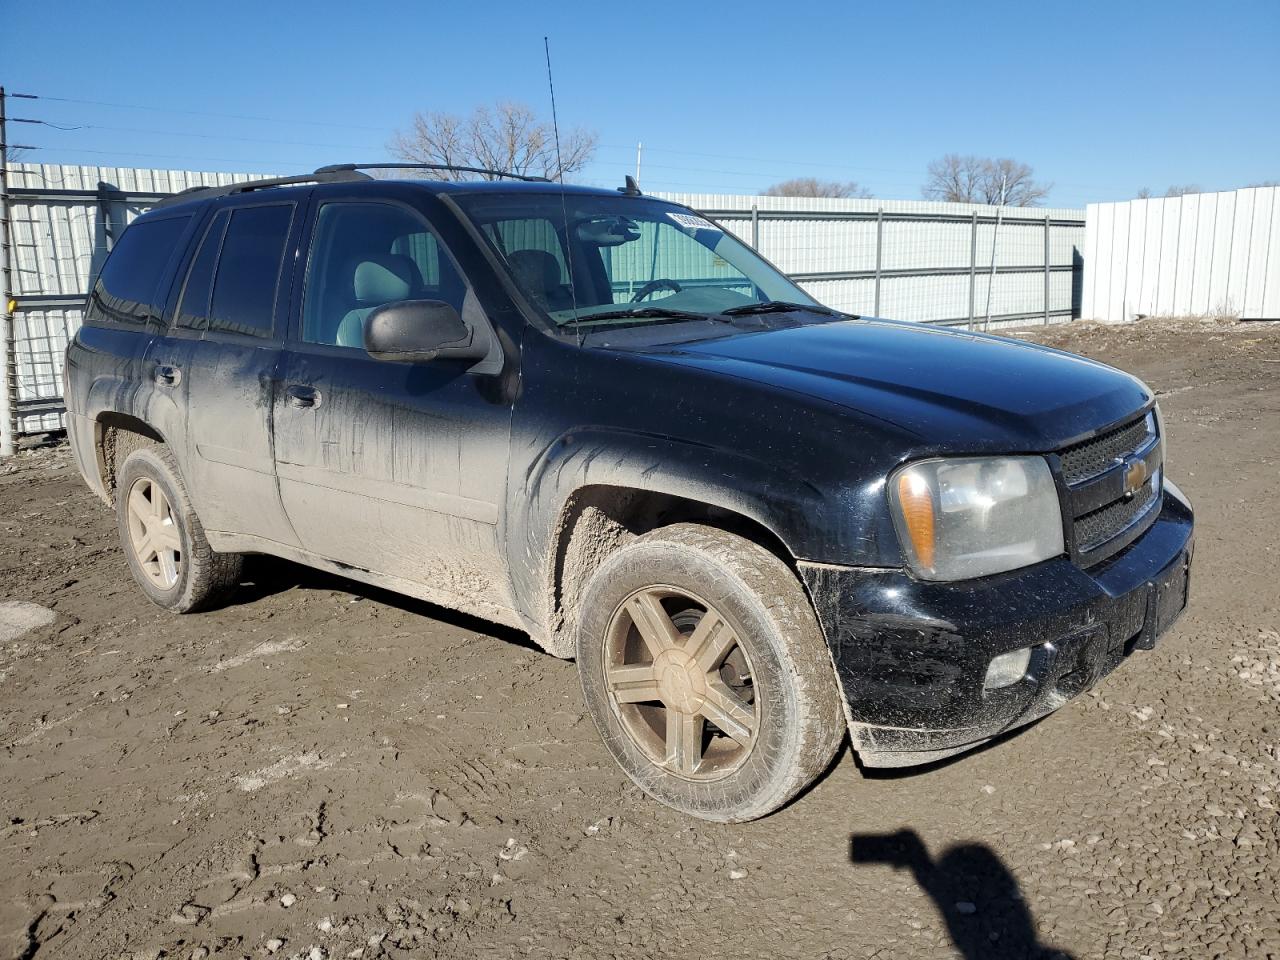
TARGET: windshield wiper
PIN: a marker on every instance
(780, 306)
(640, 313)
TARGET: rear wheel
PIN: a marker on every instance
(706, 673)
(163, 538)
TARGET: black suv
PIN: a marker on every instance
(598, 417)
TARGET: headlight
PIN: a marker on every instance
(969, 517)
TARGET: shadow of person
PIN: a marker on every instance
(974, 892)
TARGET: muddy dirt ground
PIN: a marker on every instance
(322, 771)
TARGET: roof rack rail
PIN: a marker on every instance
(501, 174)
(323, 175)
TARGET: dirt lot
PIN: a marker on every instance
(322, 771)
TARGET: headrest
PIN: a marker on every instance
(537, 270)
(386, 277)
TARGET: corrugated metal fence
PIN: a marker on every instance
(930, 262)
(62, 221)
(948, 263)
(1206, 254)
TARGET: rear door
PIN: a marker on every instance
(236, 296)
(169, 354)
(106, 369)
(398, 468)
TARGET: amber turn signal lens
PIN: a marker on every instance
(916, 500)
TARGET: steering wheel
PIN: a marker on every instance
(653, 286)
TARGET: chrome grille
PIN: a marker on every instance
(1091, 457)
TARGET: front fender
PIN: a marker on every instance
(779, 499)
(799, 467)
(594, 457)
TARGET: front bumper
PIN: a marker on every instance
(911, 656)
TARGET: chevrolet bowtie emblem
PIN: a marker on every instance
(1135, 475)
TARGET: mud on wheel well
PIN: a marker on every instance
(598, 520)
(118, 435)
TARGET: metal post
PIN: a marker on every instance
(995, 238)
(8, 411)
(755, 228)
(879, 254)
(1046, 269)
(973, 264)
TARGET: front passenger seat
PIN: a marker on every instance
(382, 278)
(539, 274)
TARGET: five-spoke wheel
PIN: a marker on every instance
(164, 541)
(680, 683)
(704, 668)
(153, 533)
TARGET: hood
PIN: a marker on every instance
(956, 391)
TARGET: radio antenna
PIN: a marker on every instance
(564, 208)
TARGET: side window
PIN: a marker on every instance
(193, 308)
(364, 255)
(248, 270)
(127, 290)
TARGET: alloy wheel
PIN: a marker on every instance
(153, 533)
(680, 683)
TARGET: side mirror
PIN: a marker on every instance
(420, 330)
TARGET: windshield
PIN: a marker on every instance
(597, 262)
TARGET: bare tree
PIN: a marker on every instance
(1144, 194)
(508, 137)
(813, 187)
(1182, 189)
(16, 154)
(965, 178)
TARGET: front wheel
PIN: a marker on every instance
(706, 673)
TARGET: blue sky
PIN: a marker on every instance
(1100, 98)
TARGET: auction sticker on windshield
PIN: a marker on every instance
(691, 222)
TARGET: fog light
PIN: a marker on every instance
(1007, 669)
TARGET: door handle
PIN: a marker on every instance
(168, 375)
(302, 398)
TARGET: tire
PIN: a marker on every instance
(661, 706)
(168, 554)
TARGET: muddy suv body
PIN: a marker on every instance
(598, 418)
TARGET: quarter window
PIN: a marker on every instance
(127, 290)
(248, 271)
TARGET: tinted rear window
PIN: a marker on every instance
(127, 290)
(244, 289)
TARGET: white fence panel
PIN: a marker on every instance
(1202, 259)
(1196, 255)
(1271, 282)
(58, 242)
(1261, 251)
